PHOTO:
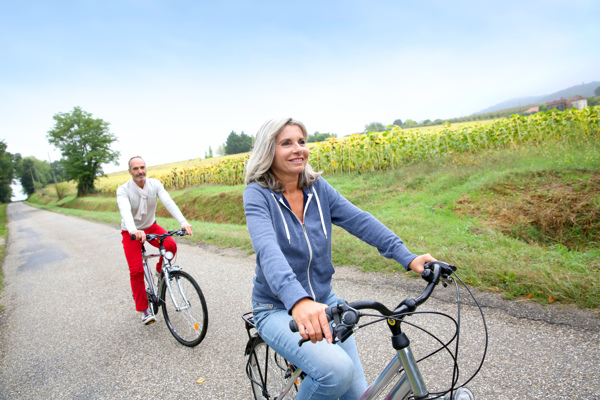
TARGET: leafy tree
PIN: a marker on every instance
(236, 144)
(409, 123)
(375, 127)
(61, 189)
(59, 171)
(85, 145)
(593, 101)
(542, 107)
(220, 151)
(320, 137)
(397, 122)
(32, 171)
(7, 172)
(597, 91)
(209, 154)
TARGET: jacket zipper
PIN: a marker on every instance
(307, 242)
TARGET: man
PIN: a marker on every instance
(137, 202)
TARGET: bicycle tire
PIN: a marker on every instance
(268, 371)
(187, 325)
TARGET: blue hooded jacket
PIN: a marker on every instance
(293, 259)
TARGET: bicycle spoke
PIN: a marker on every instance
(184, 309)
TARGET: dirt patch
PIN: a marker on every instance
(545, 207)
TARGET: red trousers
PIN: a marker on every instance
(133, 254)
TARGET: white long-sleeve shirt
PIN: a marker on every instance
(129, 202)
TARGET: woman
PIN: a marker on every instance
(290, 210)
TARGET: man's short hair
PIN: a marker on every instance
(129, 162)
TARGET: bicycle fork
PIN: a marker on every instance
(184, 300)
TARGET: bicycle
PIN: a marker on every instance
(272, 377)
(183, 304)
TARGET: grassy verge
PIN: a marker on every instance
(460, 209)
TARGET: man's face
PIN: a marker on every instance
(137, 170)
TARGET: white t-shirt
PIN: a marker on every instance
(129, 202)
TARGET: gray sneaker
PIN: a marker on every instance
(148, 317)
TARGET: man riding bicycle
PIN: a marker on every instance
(137, 203)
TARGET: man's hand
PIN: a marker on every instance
(188, 229)
(418, 263)
(139, 235)
(311, 320)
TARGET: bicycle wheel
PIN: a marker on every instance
(269, 372)
(184, 308)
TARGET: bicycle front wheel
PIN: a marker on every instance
(184, 308)
(269, 372)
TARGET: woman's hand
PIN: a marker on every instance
(312, 321)
(417, 265)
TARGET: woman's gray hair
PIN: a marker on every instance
(258, 168)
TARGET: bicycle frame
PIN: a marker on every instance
(410, 379)
(167, 268)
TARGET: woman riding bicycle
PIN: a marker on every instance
(290, 210)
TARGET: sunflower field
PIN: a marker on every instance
(388, 150)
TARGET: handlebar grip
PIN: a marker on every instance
(294, 326)
(132, 237)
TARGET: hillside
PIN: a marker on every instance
(518, 213)
(585, 90)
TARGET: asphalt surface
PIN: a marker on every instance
(69, 330)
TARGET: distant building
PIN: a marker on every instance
(560, 105)
(572, 102)
(578, 102)
(531, 110)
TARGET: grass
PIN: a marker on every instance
(463, 209)
(3, 236)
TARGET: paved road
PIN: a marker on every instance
(68, 329)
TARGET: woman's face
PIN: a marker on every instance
(291, 153)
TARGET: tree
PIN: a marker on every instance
(375, 127)
(542, 107)
(409, 123)
(7, 172)
(397, 122)
(320, 137)
(597, 91)
(236, 144)
(593, 101)
(209, 154)
(85, 145)
(60, 171)
(32, 170)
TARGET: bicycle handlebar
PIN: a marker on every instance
(346, 315)
(154, 236)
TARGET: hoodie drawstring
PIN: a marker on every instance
(287, 231)
(320, 213)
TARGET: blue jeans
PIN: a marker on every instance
(333, 371)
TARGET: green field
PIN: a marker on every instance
(492, 213)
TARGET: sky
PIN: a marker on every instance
(175, 77)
